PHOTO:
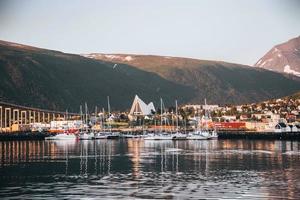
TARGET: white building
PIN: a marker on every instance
(59, 126)
(229, 117)
(204, 107)
(140, 108)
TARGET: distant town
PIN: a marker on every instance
(277, 115)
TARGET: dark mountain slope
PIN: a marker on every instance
(55, 80)
(219, 82)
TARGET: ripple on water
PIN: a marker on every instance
(236, 169)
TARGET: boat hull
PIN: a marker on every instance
(62, 137)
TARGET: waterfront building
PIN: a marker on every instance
(259, 126)
(69, 125)
(140, 108)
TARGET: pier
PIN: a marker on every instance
(259, 135)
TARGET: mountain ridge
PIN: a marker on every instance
(56, 80)
(284, 58)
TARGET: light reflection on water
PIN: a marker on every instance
(141, 169)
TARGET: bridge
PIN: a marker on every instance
(17, 117)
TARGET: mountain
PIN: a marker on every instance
(219, 82)
(55, 80)
(284, 57)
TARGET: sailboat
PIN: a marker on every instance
(205, 134)
(210, 134)
(178, 135)
(62, 136)
(110, 134)
(102, 134)
(85, 135)
(161, 135)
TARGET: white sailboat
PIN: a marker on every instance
(178, 135)
(196, 135)
(161, 135)
(210, 134)
(62, 136)
(110, 134)
(102, 134)
(85, 135)
(200, 134)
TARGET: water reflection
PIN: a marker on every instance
(150, 169)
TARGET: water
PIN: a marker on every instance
(137, 169)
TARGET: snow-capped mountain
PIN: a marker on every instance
(56, 80)
(284, 57)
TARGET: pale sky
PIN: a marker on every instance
(239, 31)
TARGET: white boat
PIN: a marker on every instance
(203, 134)
(196, 135)
(100, 135)
(113, 135)
(179, 136)
(86, 136)
(159, 136)
(130, 135)
(62, 136)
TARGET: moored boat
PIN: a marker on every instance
(158, 136)
(196, 135)
(100, 135)
(86, 136)
(179, 136)
(113, 135)
(62, 136)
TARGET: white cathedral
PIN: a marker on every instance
(140, 108)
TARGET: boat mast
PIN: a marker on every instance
(103, 120)
(161, 115)
(66, 116)
(96, 110)
(80, 110)
(108, 107)
(206, 116)
(176, 116)
(86, 116)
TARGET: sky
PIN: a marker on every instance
(228, 30)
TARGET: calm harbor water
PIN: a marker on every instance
(138, 169)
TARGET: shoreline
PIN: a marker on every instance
(222, 135)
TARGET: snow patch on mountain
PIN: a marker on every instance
(109, 56)
(112, 56)
(128, 58)
(287, 69)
